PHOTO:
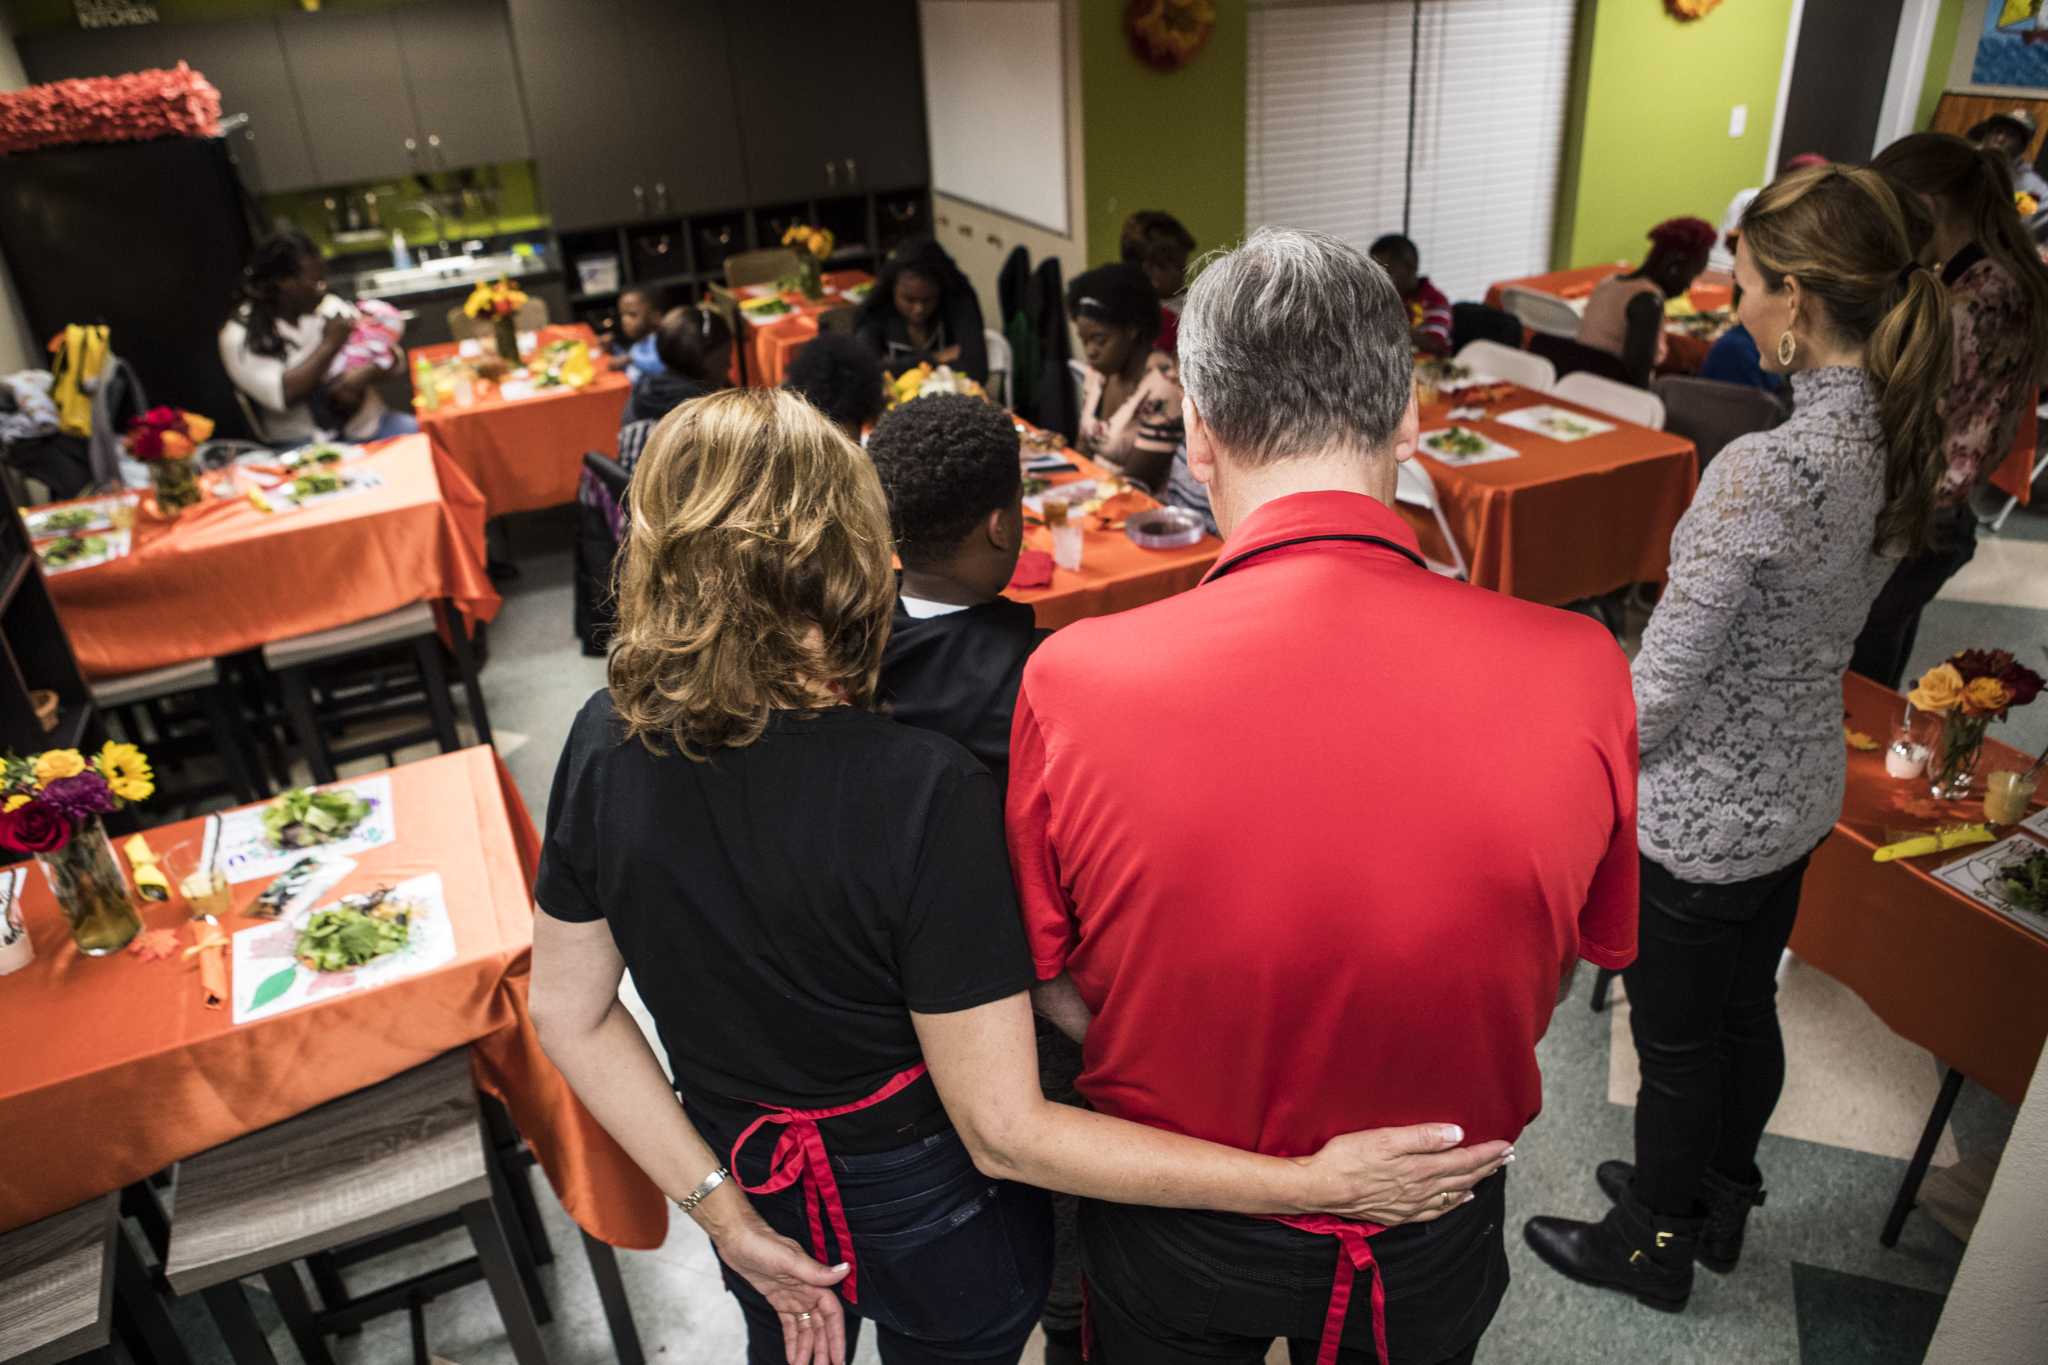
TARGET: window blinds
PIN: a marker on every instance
(1327, 128)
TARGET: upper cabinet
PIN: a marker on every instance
(465, 87)
(683, 87)
(828, 107)
(69, 53)
(245, 62)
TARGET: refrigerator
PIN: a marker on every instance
(146, 237)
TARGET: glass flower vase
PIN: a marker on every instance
(176, 480)
(92, 891)
(505, 336)
(810, 277)
(1957, 750)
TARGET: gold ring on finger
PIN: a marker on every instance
(1447, 1196)
(803, 1317)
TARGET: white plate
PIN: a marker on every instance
(1493, 451)
(100, 510)
(117, 543)
(1558, 424)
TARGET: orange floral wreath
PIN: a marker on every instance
(1168, 34)
(1691, 9)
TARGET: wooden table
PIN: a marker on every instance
(117, 1068)
(1116, 574)
(1566, 520)
(226, 577)
(1684, 352)
(526, 453)
(771, 345)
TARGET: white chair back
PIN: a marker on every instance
(1542, 312)
(1625, 401)
(1496, 361)
(1413, 486)
(1000, 365)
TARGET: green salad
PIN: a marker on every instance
(2025, 881)
(1456, 441)
(70, 519)
(313, 485)
(766, 308)
(319, 454)
(303, 817)
(71, 549)
(360, 929)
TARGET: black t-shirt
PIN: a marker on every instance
(784, 906)
(958, 674)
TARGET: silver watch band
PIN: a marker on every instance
(690, 1201)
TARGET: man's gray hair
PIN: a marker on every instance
(1295, 343)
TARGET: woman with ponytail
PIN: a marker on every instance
(1998, 306)
(1739, 701)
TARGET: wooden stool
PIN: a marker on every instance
(58, 1292)
(201, 681)
(293, 660)
(408, 1151)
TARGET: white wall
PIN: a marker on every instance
(17, 350)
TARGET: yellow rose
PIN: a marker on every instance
(14, 803)
(1940, 689)
(1986, 697)
(58, 763)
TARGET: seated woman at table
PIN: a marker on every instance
(1998, 301)
(1625, 314)
(281, 340)
(1160, 245)
(1130, 400)
(923, 309)
(695, 348)
(840, 377)
(816, 904)
(1739, 704)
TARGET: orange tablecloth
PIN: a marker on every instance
(1566, 520)
(2015, 475)
(1115, 574)
(526, 453)
(771, 345)
(116, 1069)
(1942, 971)
(225, 577)
(1684, 352)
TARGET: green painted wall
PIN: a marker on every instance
(519, 208)
(1940, 52)
(1152, 140)
(1652, 131)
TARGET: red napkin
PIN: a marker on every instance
(1034, 570)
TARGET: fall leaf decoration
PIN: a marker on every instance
(154, 945)
(1688, 10)
(1857, 739)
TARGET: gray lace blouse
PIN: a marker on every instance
(1739, 681)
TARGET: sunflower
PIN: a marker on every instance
(53, 764)
(126, 770)
(14, 803)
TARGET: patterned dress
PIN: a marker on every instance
(1994, 381)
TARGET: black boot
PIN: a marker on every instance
(1728, 1204)
(1631, 1249)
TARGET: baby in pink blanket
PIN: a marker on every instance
(373, 340)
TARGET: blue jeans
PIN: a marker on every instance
(395, 424)
(953, 1266)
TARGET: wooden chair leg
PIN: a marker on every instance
(516, 1238)
(465, 667)
(517, 1166)
(238, 1326)
(140, 1202)
(1601, 982)
(439, 703)
(140, 1319)
(503, 1275)
(298, 704)
(228, 739)
(297, 1310)
(611, 1292)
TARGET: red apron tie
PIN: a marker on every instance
(799, 1156)
(1353, 1255)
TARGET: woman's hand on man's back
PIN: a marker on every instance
(1400, 1175)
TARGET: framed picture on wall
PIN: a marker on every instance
(2013, 49)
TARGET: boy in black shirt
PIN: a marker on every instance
(949, 465)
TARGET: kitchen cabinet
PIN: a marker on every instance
(352, 95)
(464, 85)
(245, 62)
(829, 107)
(584, 137)
(683, 87)
(70, 53)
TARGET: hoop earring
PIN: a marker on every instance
(1788, 348)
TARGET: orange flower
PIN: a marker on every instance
(1986, 697)
(1940, 689)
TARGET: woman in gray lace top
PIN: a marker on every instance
(1739, 704)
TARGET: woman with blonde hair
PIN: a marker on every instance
(1739, 702)
(815, 903)
(1998, 303)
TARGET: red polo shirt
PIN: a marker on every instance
(1317, 838)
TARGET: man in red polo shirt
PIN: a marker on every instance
(1310, 847)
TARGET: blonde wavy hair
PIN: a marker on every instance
(755, 575)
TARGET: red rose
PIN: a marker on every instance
(163, 419)
(146, 444)
(2023, 682)
(1982, 663)
(34, 828)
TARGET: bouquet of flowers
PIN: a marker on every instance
(813, 245)
(166, 439)
(51, 808)
(1969, 691)
(493, 299)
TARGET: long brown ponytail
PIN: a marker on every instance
(1977, 184)
(1853, 238)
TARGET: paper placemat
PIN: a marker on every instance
(1977, 877)
(110, 545)
(1559, 424)
(2037, 822)
(268, 979)
(73, 519)
(1486, 451)
(248, 855)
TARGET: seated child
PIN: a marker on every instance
(1158, 244)
(694, 348)
(1429, 312)
(840, 377)
(373, 340)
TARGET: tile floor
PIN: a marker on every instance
(1814, 1286)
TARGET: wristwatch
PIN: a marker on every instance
(690, 1201)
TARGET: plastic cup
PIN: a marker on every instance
(2006, 795)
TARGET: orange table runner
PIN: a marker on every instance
(1566, 520)
(1115, 574)
(770, 345)
(1941, 970)
(226, 577)
(1684, 352)
(115, 1068)
(526, 453)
